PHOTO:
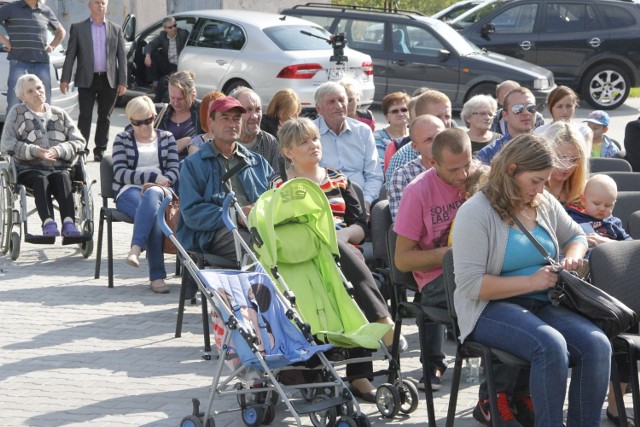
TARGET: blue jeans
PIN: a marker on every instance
(552, 338)
(146, 233)
(17, 69)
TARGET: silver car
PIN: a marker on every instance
(68, 101)
(263, 51)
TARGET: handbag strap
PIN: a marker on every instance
(535, 242)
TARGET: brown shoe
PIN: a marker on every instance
(159, 287)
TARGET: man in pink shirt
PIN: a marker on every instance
(427, 209)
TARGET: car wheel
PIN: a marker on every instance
(606, 87)
(231, 86)
(482, 89)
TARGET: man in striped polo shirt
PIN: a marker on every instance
(27, 22)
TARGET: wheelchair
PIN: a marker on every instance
(14, 210)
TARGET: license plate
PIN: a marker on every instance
(337, 74)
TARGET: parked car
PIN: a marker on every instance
(263, 51)
(458, 9)
(592, 46)
(68, 101)
(410, 50)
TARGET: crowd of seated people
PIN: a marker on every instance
(534, 178)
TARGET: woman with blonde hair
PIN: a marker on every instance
(284, 105)
(143, 155)
(569, 177)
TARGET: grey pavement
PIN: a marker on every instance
(74, 352)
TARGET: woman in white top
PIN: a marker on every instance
(143, 155)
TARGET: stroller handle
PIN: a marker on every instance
(229, 199)
(166, 230)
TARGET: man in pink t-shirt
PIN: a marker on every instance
(427, 209)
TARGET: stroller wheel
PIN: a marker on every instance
(408, 396)
(363, 421)
(388, 400)
(346, 422)
(269, 414)
(191, 421)
(210, 422)
(252, 416)
(323, 418)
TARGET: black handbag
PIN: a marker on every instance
(575, 293)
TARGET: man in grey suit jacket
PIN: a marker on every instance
(101, 74)
(161, 55)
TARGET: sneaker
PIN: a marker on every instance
(69, 229)
(50, 229)
(482, 412)
(523, 407)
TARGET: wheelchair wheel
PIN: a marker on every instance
(6, 211)
(14, 246)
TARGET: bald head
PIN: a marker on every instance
(422, 130)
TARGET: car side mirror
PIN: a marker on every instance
(443, 55)
(487, 29)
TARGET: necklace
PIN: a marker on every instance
(524, 213)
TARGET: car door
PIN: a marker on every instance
(211, 50)
(419, 57)
(510, 32)
(571, 34)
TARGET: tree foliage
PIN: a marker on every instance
(428, 7)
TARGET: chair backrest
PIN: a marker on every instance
(626, 181)
(604, 164)
(360, 192)
(449, 284)
(106, 178)
(380, 224)
(615, 269)
(633, 226)
(627, 203)
(398, 278)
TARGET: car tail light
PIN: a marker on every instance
(368, 68)
(299, 71)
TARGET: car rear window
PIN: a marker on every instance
(618, 17)
(298, 37)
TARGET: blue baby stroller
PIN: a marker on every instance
(259, 334)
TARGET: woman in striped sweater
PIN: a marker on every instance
(143, 155)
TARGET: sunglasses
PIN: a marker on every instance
(399, 110)
(170, 27)
(519, 108)
(145, 122)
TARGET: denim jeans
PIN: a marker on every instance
(146, 233)
(552, 338)
(17, 69)
(434, 295)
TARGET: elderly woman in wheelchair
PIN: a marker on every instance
(44, 144)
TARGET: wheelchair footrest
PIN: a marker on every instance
(76, 240)
(39, 240)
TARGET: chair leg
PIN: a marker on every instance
(455, 387)
(615, 381)
(183, 293)
(487, 360)
(426, 370)
(178, 265)
(635, 387)
(110, 251)
(99, 249)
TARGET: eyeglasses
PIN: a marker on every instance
(567, 162)
(398, 110)
(483, 113)
(145, 122)
(519, 108)
(170, 27)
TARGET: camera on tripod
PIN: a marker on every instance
(338, 43)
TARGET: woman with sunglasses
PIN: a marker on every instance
(396, 112)
(143, 155)
(562, 103)
(478, 113)
(569, 177)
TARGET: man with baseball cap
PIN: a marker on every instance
(201, 227)
(602, 146)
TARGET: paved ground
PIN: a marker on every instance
(74, 352)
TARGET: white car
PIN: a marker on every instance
(263, 51)
(68, 101)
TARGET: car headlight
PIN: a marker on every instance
(541, 84)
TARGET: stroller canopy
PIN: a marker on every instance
(297, 232)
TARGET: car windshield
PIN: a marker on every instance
(298, 37)
(466, 20)
(461, 44)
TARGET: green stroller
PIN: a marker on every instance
(294, 237)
